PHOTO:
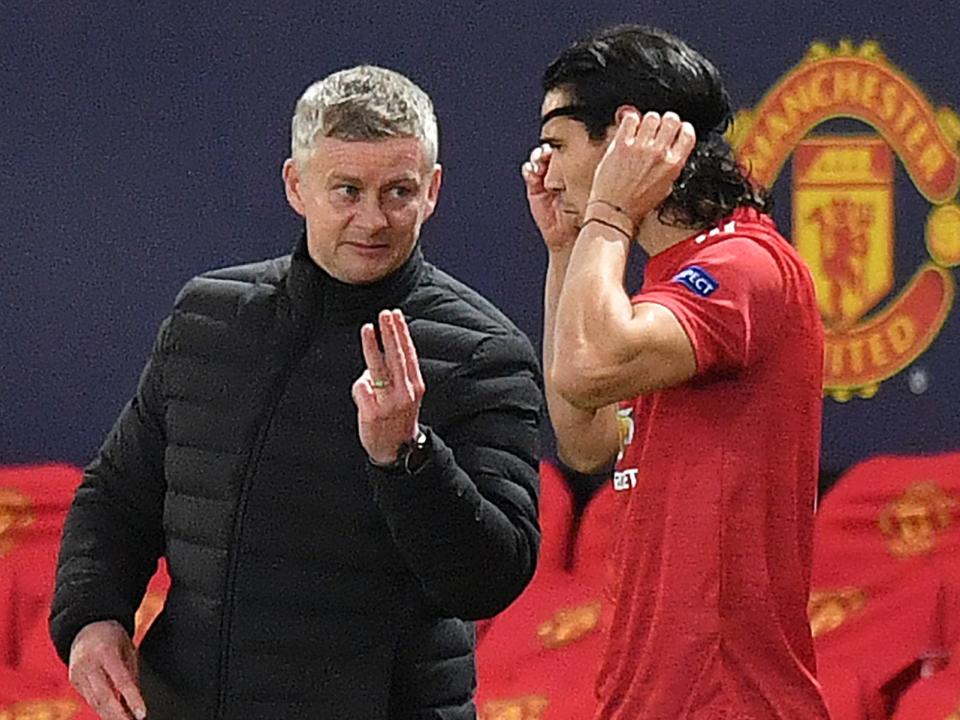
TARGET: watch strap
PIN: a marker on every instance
(411, 457)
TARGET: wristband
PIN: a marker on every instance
(608, 224)
(609, 214)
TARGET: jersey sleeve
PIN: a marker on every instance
(729, 299)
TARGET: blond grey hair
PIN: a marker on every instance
(363, 103)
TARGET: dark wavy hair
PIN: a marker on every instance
(655, 71)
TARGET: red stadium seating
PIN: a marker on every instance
(538, 660)
(33, 682)
(885, 608)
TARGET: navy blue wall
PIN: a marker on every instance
(141, 143)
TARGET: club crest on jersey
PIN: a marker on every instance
(16, 513)
(829, 609)
(698, 280)
(52, 709)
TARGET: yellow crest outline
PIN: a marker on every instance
(866, 87)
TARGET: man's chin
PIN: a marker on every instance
(364, 276)
(575, 220)
(369, 271)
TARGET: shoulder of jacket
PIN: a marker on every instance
(455, 322)
(443, 299)
(218, 292)
(457, 327)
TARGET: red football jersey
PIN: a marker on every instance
(712, 563)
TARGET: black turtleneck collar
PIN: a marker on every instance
(314, 291)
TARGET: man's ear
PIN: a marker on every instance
(623, 110)
(291, 186)
(433, 190)
(618, 118)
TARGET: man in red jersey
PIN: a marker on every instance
(705, 387)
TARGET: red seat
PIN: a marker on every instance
(33, 504)
(936, 694)
(886, 584)
(539, 658)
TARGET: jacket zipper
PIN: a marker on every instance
(253, 461)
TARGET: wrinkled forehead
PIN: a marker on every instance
(394, 156)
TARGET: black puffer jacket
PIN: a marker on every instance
(306, 583)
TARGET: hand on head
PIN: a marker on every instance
(558, 228)
(642, 161)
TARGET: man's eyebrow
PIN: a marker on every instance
(406, 177)
(547, 140)
(346, 177)
(342, 177)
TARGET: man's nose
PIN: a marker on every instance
(370, 214)
(553, 180)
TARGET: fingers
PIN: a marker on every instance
(534, 170)
(392, 351)
(670, 138)
(667, 131)
(398, 364)
(531, 179)
(371, 353)
(683, 145)
(122, 678)
(95, 687)
(649, 128)
(410, 354)
(626, 134)
(540, 158)
(387, 415)
(364, 395)
(103, 665)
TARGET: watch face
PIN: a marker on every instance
(416, 453)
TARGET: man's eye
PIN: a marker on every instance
(401, 192)
(350, 191)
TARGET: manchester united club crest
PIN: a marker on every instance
(526, 707)
(843, 205)
(843, 222)
(40, 710)
(16, 513)
(913, 523)
(830, 609)
(568, 625)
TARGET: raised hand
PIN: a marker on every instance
(103, 669)
(645, 157)
(559, 229)
(389, 392)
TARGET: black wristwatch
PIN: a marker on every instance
(411, 456)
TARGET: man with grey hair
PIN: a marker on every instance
(335, 451)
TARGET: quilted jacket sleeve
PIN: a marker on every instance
(467, 522)
(113, 533)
